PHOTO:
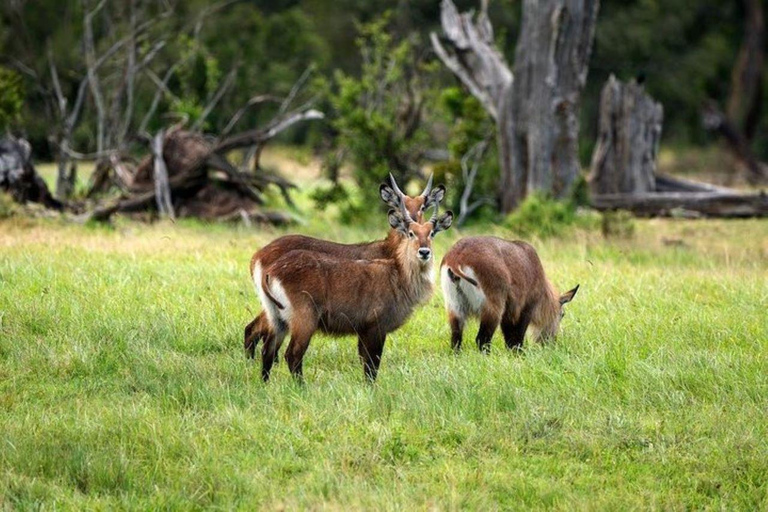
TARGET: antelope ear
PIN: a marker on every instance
(397, 221)
(443, 222)
(388, 195)
(568, 296)
(435, 197)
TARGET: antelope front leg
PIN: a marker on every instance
(514, 330)
(370, 346)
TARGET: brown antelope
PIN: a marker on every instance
(501, 282)
(392, 196)
(304, 290)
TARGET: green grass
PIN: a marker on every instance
(123, 382)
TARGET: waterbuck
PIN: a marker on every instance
(303, 291)
(501, 282)
(391, 195)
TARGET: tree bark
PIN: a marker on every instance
(19, 177)
(551, 64)
(535, 109)
(624, 160)
(745, 98)
(715, 121)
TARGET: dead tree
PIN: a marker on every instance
(745, 97)
(470, 164)
(113, 114)
(189, 174)
(738, 124)
(629, 132)
(624, 177)
(536, 108)
(18, 176)
(716, 121)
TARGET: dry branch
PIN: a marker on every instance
(469, 173)
(715, 121)
(263, 135)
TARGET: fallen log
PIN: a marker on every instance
(186, 182)
(666, 183)
(696, 204)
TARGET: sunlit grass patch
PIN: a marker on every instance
(123, 382)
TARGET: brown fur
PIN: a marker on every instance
(517, 293)
(370, 298)
(259, 328)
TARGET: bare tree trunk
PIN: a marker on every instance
(64, 182)
(715, 121)
(551, 63)
(624, 160)
(745, 99)
(737, 126)
(536, 113)
(162, 185)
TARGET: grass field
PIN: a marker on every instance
(123, 382)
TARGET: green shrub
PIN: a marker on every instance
(379, 115)
(544, 217)
(11, 97)
(618, 224)
(7, 206)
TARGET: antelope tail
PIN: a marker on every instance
(268, 292)
(454, 273)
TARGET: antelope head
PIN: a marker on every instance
(417, 236)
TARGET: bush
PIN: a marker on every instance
(11, 97)
(7, 206)
(618, 224)
(544, 217)
(379, 115)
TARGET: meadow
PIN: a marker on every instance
(123, 382)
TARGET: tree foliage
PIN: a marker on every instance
(11, 97)
(387, 103)
(380, 115)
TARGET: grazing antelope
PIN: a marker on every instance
(392, 196)
(303, 291)
(501, 282)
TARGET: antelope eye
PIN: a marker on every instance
(411, 234)
(421, 208)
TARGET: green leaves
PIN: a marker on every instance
(11, 97)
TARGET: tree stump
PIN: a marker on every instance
(624, 160)
(19, 177)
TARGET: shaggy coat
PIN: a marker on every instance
(259, 328)
(304, 291)
(501, 282)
